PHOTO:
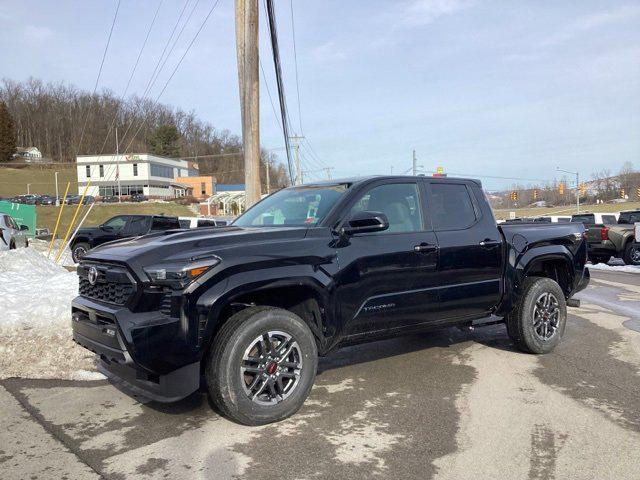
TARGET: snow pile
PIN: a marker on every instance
(35, 319)
(615, 268)
(42, 246)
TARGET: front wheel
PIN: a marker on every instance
(537, 322)
(79, 250)
(262, 365)
(631, 255)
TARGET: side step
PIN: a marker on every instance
(573, 302)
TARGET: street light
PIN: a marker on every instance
(577, 186)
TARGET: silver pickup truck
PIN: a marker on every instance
(611, 238)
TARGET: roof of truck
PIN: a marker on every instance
(367, 178)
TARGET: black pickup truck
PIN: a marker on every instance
(251, 306)
(118, 228)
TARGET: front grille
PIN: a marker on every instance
(112, 285)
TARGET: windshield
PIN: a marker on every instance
(295, 206)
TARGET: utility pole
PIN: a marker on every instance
(249, 85)
(328, 170)
(118, 166)
(299, 180)
(415, 164)
(577, 186)
(28, 188)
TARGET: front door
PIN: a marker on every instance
(387, 279)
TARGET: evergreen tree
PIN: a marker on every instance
(7, 134)
(164, 141)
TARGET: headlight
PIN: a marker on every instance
(180, 275)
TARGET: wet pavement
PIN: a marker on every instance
(451, 404)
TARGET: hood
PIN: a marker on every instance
(179, 245)
(89, 231)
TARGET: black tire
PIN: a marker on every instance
(631, 255)
(79, 250)
(228, 385)
(520, 322)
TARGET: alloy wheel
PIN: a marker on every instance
(546, 316)
(271, 366)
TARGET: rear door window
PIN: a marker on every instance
(164, 223)
(451, 206)
(137, 226)
(609, 219)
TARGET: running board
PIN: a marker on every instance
(573, 302)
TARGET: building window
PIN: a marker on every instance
(135, 169)
(101, 170)
(88, 170)
(203, 188)
(161, 171)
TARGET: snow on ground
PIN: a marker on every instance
(35, 319)
(615, 268)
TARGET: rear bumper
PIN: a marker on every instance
(606, 247)
(142, 351)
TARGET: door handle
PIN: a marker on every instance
(489, 243)
(425, 248)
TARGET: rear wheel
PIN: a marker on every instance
(631, 255)
(537, 323)
(262, 365)
(79, 250)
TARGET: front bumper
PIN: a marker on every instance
(146, 351)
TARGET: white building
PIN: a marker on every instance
(141, 173)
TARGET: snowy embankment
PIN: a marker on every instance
(615, 265)
(35, 319)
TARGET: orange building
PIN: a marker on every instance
(203, 187)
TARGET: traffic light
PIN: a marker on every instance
(535, 194)
(514, 196)
(583, 189)
(622, 194)
(561, 189)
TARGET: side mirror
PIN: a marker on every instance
(24, 228)
(366, 222)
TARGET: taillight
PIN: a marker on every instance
(604, 233)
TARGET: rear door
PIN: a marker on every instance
(388, 279)
(470, 264)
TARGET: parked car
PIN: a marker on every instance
(138, 197)
(45, 200)
(311, 268)
(109, 199)
(11, 235)
(118, 228)
(197, 222)
(614, 239)
(29, 199)
(75, 199)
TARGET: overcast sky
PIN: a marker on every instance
(509, 89)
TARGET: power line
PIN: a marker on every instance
(176, 67)
(295, 58)
(133, 71)
(276, 61)
(95, 87)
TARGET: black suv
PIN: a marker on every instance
(310, 268)
(117, 228)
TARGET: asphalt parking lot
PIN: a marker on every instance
(453, 404)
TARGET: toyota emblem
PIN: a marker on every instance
(92, 276)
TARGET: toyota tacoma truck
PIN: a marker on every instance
(248, 308)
